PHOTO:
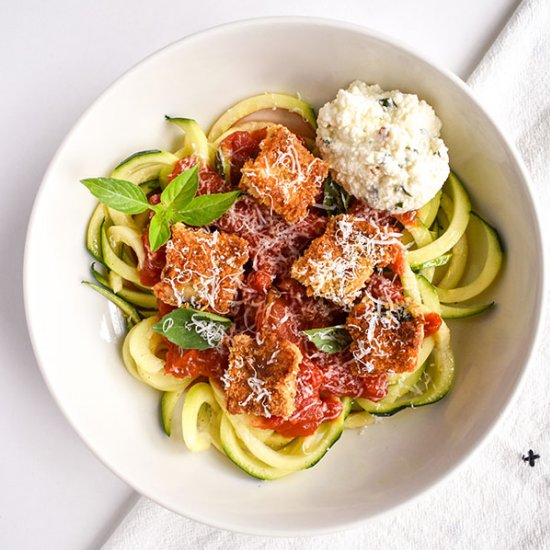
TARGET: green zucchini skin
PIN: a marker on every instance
(433, 394)
(457, 226)
(449, 311)
(489, 272)
(93, 232)
(246, 461)
(441, 260)
(127, 309)
(144, 300)
(128, 160)
(144, 166)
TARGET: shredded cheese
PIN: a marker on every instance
(211, 331)
(337, 265)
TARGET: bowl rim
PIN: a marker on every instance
(397, 44)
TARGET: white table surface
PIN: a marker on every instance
(55, 58)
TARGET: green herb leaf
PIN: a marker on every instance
(387, 102)
(329, 339)
(181, 190)
(335, 198)
(120, 195)
(206, 208)
(159, 230)
(192, 329)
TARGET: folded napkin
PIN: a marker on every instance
(496, 500)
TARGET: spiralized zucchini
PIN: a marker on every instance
(441, 241)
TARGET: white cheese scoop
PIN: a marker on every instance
(383, 146)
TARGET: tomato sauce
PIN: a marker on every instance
(209, 180)
(312, 407)
(340, 381)
(385, 288)
(432, 322)
(253, 295)
(274, 245)
(288, 311)
(407, 218)
(240, 147)
(363, 210)
(209, 362)
(164, 309)
(149, 273)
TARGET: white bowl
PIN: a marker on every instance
(72, 328)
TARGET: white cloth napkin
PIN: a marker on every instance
(496, 501)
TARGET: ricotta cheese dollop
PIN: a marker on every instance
(383, 146)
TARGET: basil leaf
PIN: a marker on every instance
(335, 198)
(159, 231)
(206, 208)
(329, 339)
(181, 190)
(120, 195)
(192, 329)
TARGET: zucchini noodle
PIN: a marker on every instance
(440, 242)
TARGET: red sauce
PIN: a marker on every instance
(259, 281)
(385, 288)
(164, 309)
(150, 271)
(194, 362)
(338, 379)
(360, 208)
(432, 322)
(253, 295)
(398, 263)
(407, 218)
(240, 147)
(274, 245)
(209, 180)
(312, 407)
(289, 310)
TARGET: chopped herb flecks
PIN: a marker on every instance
(387, 103)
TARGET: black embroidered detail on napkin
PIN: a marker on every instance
(530, 458)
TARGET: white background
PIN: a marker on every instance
(56, 56)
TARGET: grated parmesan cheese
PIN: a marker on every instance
(285, 176)
(202, 269)
(211, 331)
(337, 265)
(386, 335)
